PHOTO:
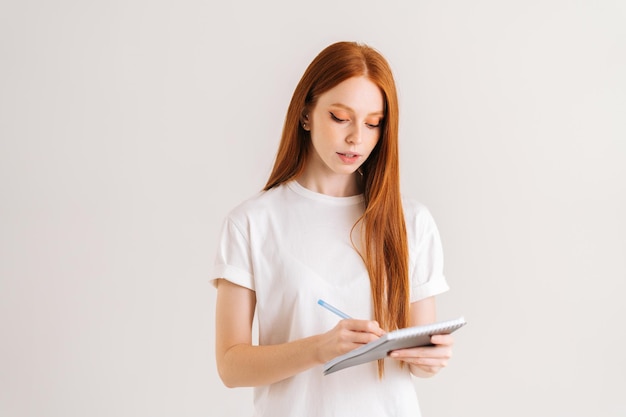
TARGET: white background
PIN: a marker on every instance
(129, 128)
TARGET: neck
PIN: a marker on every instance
(335, 185)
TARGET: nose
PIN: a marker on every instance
(356, 134)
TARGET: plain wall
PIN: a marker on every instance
(128, 129)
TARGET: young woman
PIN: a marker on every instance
(330, 224)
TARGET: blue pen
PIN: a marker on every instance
(333, 309)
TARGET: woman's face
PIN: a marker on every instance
(345, 125)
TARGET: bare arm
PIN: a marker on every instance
(426, 361)
(240, 363)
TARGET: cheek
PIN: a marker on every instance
(325, 133)
(372, 139)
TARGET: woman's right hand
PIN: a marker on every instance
(242, 364)
(347, 335)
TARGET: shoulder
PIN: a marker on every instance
(257, 205)
(414, 210)
(417, 216)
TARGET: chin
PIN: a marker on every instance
(350, 171)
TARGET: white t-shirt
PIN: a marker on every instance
(292, 247)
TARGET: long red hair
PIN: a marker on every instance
(384, 230)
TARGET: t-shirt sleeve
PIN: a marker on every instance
(233, 259)
(427, 277)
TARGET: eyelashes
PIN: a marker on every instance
(339, 120)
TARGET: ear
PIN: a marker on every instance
(305, 120)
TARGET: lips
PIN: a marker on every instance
(348, 157)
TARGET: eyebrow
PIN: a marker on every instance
(376, 113)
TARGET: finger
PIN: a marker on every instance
(442, 339)
(367, 326)
(440, 351)
(434, 363)
(362, 337)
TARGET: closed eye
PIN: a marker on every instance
(337, 119)
(374, 125)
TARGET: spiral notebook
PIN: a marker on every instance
(397, 339)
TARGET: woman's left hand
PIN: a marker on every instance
(426, 361)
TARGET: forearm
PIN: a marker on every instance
(426, 362)
(244, 365)
(240, 364)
